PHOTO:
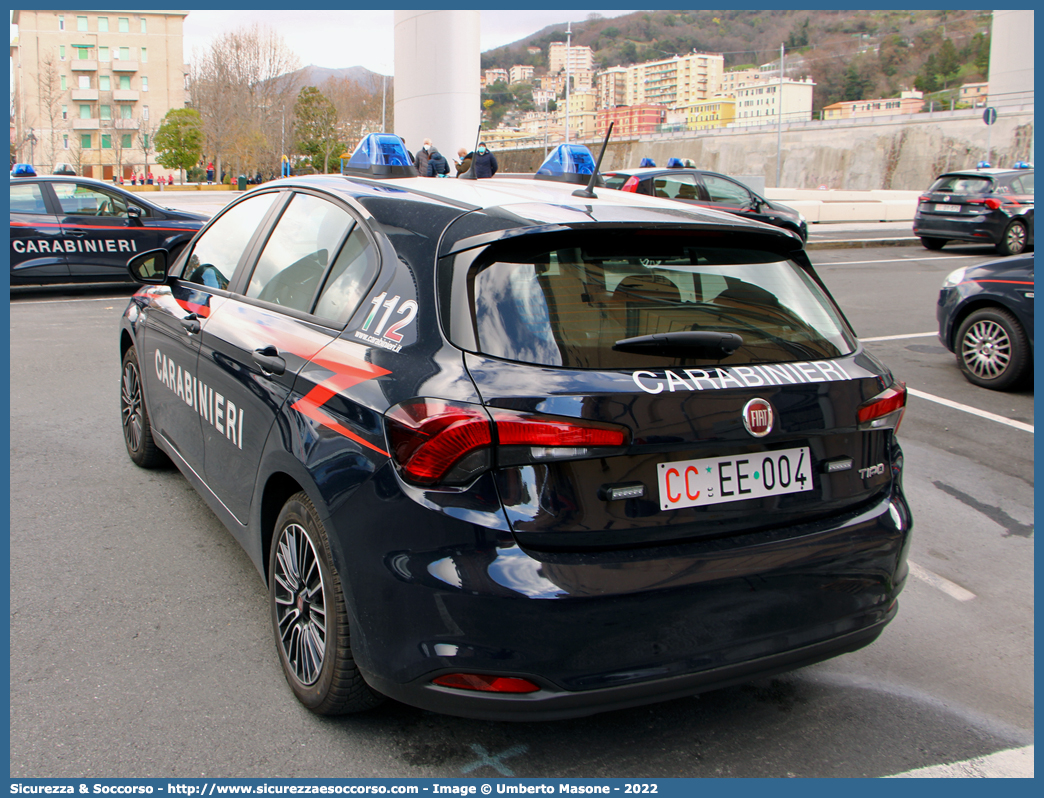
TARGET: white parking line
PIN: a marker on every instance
(973, 410)
(899, 337)
(952, 589)
(1015, 763)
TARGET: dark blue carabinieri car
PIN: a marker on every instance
(503, 451)
(985, 317)
(79, 230)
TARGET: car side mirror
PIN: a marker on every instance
(133, 211)
(149, 268)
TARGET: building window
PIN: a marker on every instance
(103, 54)
(126, 111)
(125, 54)
(85, 112)
(104, 82)
(81, 23)
(62, 79)
(144, 83)
(145, 112)
(106, 141)
(145, 140)
(125, 141)
(143, 26)
(124, 24)
(106, 112)
(61, 52)
(65, 110)
(65, 141)
(103, 24)
(144, 54)
(85, 141)
(125, 82)
(61, 22)
(84, 81)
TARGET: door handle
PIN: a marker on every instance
(191, 324)
(268, 359)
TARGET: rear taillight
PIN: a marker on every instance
(924, 198)
(486, 683)
(993, 203)
(631, 185)
(436, 442)
(884, 411)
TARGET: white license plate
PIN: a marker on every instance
(715, 480)
(948, 208)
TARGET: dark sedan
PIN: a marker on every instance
(710, 190)
(985, 317)
(74, 229)
(985, 206)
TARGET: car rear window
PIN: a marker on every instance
(615, 181)
(962, 184)
(569, 305)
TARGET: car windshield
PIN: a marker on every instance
(962, 184)
(570, 306)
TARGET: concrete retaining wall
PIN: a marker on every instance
(904, 153)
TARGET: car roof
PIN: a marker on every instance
(988, 172)
(537, 201)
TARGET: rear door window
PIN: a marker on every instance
(27, 198)
(569, 305)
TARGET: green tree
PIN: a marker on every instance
(179, 140)
(316, 127)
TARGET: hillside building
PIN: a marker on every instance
(91, 87)
(909, 102)
(630, 120)
(772, 101)
(580, 57)
(680, 80)
(520, 73)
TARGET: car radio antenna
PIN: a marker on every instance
(588, 192)
(470, 174)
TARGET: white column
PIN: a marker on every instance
(437, 92)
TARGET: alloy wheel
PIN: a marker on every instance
(300, 604)
(131, 406)
(986, 349)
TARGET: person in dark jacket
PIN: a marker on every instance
(423, 154)
(438, 166)
(485, 161)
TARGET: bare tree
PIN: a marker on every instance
(146, 134)
(358, 107)
(242, 87)
(49, 94)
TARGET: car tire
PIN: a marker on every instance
(934, 244)
(1013, 242)
(309, 617)
(992, 349)
(134, 416)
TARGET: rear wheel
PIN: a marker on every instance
(1013, 242)
(134, 415)
(309, 616)
(933, 243)
(992, 349)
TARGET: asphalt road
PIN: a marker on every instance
(141, 644)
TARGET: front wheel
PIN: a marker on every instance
(1013, 242)
(934, 244)
(309, 618)
(992, 349)
(134, 415)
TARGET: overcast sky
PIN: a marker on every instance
(338, 39)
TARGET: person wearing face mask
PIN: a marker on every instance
(423, 155)
(463, 161)
(485, 162)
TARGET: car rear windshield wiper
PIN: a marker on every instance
(682, 343)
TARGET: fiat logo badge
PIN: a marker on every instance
(758, 417)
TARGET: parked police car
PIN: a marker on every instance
(74, 229)
(505, 450)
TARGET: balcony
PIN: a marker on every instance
(125, 95)
(86, 124)
(125, 124)
(124, 66)
(83, 66)
(85, 94)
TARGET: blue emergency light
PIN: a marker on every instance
(1022, 165)
(23, 170)
(674, 163)
(646, 162)
(380, 155)
(568, 163)
(982, 165)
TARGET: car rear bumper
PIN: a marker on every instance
(972, 228)
(603, 630)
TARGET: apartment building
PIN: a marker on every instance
(520, 73)
(492, 76)
(679, 80)
(630, 120)
(908, 102)
(579, 57)
(716, 112)
(772, 101)
(611, 86)
(91, 87)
